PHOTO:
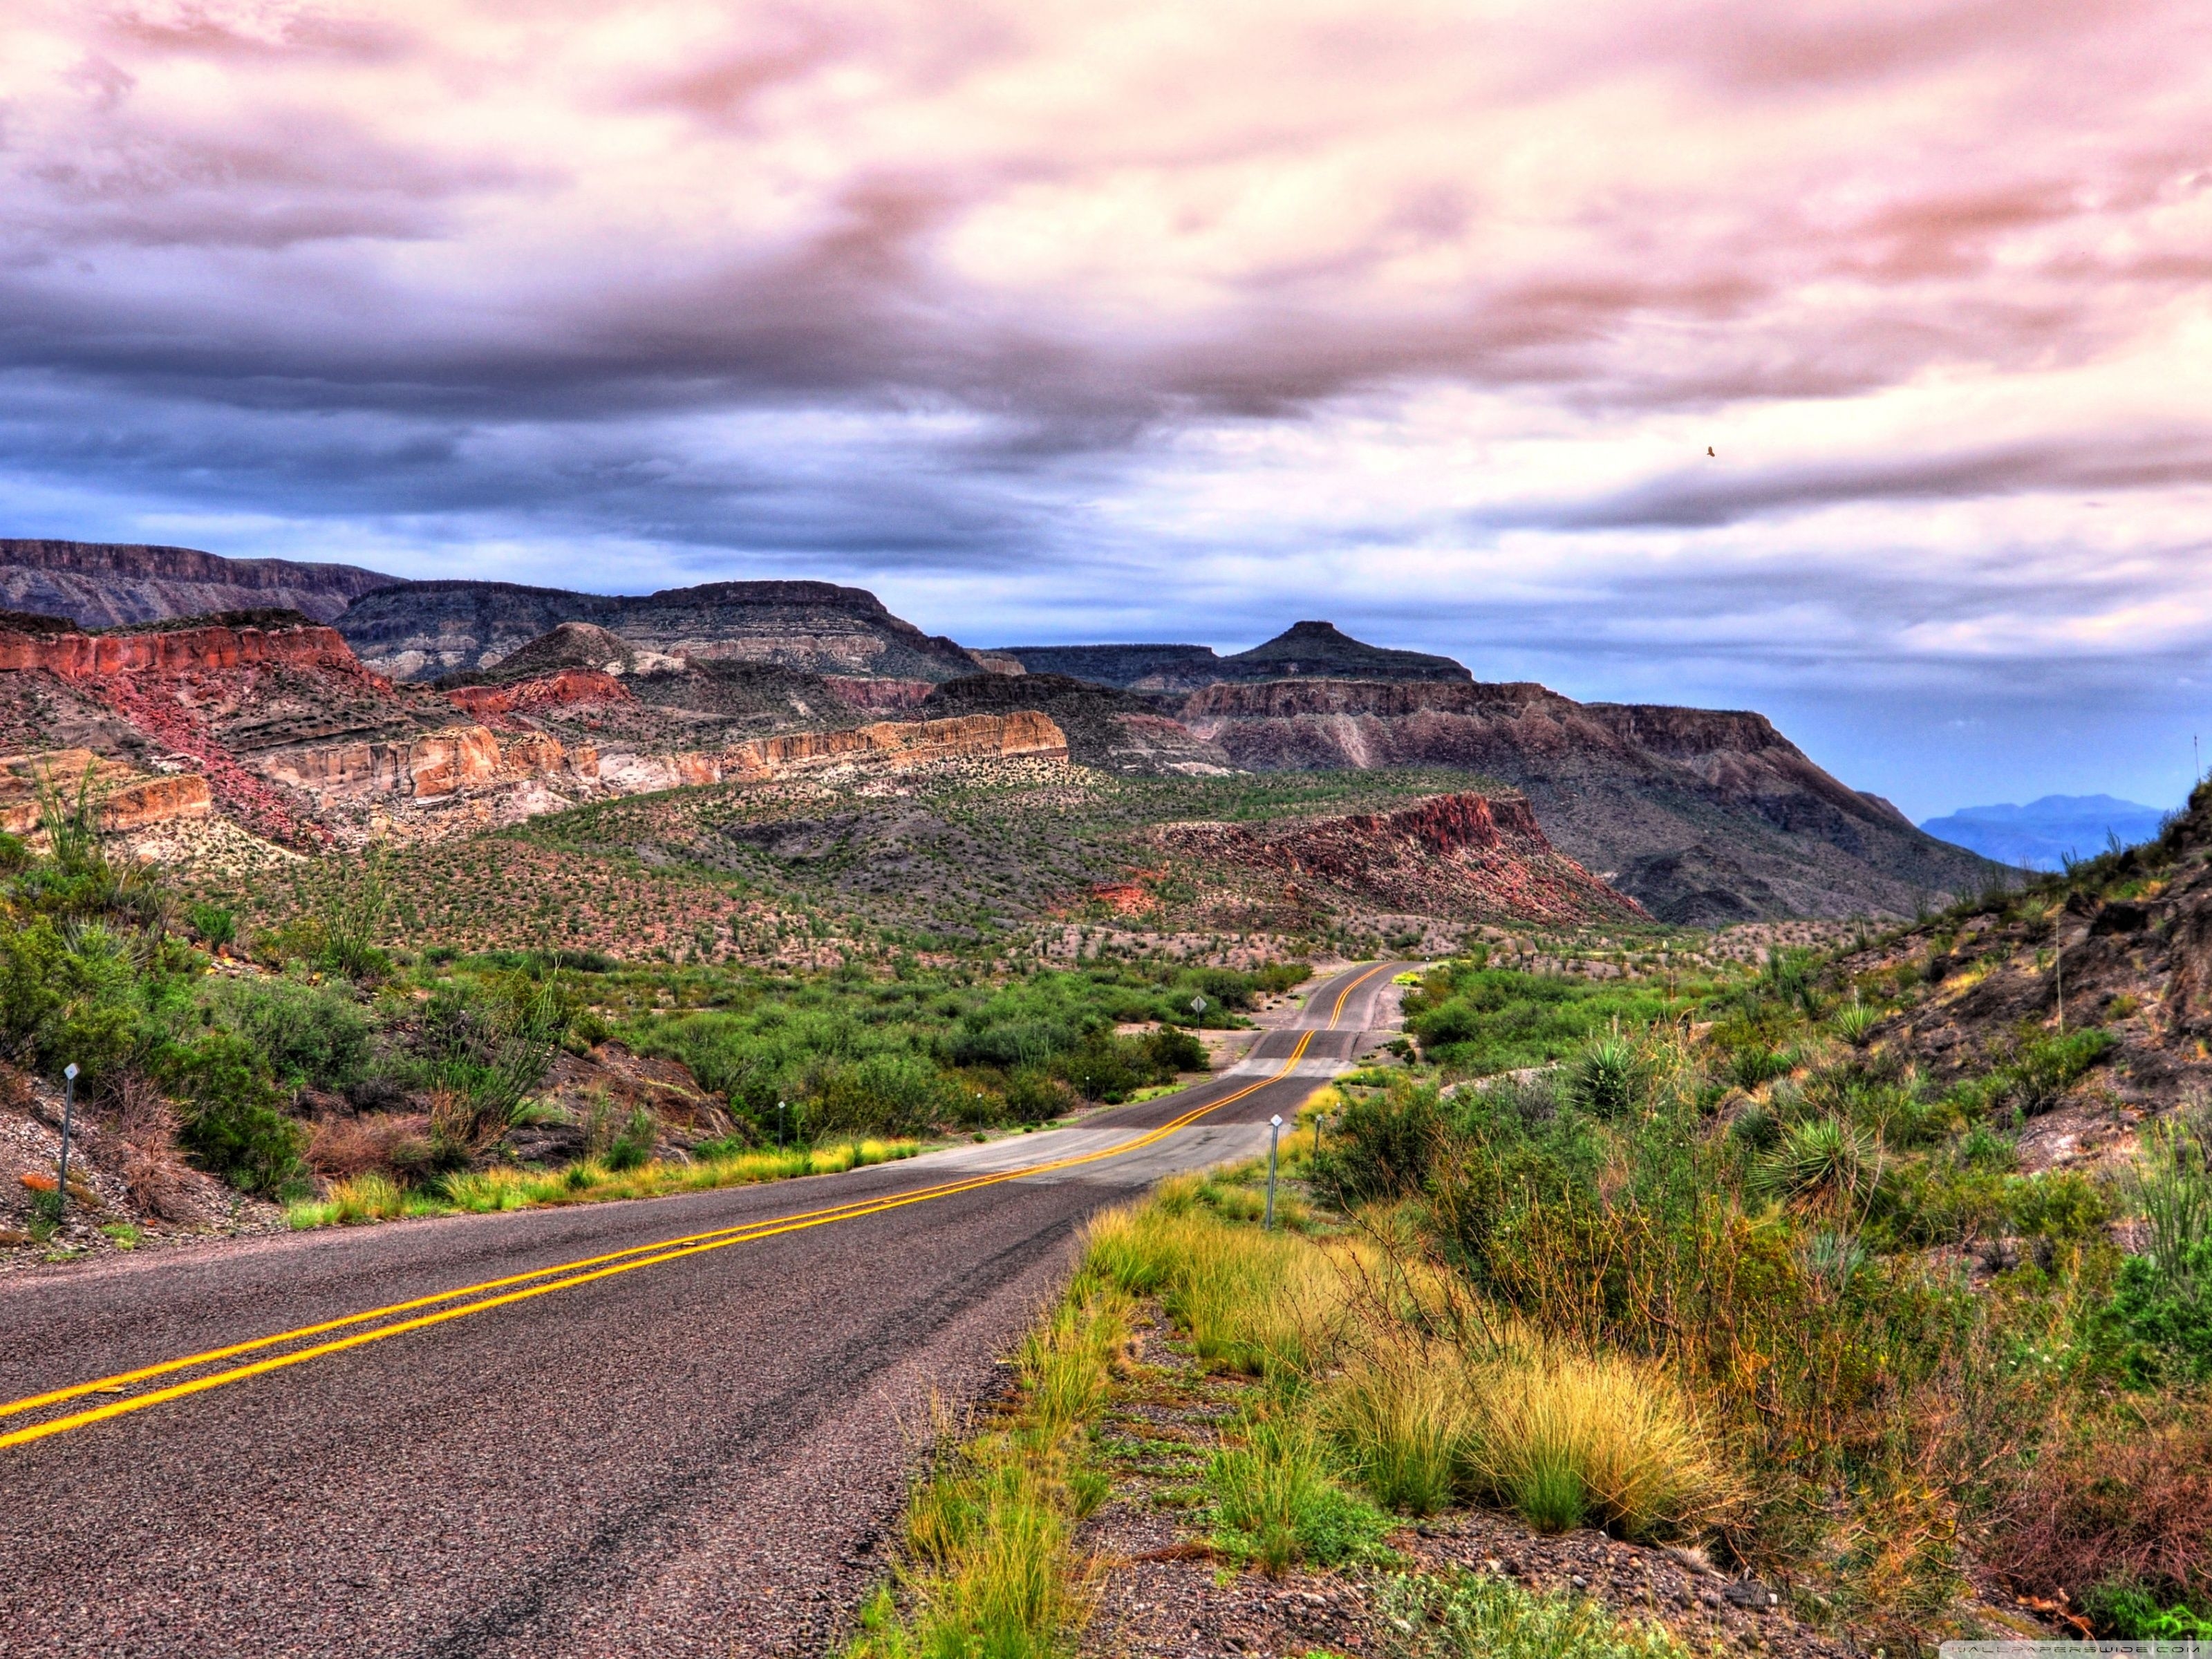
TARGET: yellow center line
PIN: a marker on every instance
(591, 1268)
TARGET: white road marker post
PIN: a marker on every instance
(780, 1110)
(1274, 1131)
(69, 1113)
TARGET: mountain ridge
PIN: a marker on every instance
(111, 584)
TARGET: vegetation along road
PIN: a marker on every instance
(676, 1427)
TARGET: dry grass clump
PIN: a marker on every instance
(1568, 1439)
(1401, 1412)
(1422, 1394)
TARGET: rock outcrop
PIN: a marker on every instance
(1463, 856)
(100, 584)
(122, 799)
(419, 630)
(219, 646)
(566, 688)
(891, 745)
(436, 764)
(1706, 817)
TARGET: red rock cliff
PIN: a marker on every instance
(175, 650)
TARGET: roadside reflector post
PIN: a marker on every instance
(1275, 1132)
(68, 1115)
(780, 1110)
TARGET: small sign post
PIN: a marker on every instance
(1275, 1132)
(1198, 1008)
(69, 1114)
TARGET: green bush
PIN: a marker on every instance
(2162, 1315)
(2132, 1613)
(232, 1125)
(2047, 1067)
(1274, 1503)
(215, 925)
(1383, 1145)
(311, 1035)
(633, 1147)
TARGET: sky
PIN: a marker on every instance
(1849, 362)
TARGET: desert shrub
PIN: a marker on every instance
(2063, 1205)
(1607, 1078)
(1856, 1024)
(215, 925)
(633, 1146)
(1756, 1063)
(2118, 1502)
(1821, 1160)
(2047, 1067)
(1033, 1094)
(233, 1126)
(883, 1094)
(1172, 1051)
(1383, 1145)
(309, 1034)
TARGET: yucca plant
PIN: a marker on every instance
(1856, 1024)
(1822, 1159)
(1606, 1077)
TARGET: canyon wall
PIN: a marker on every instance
(1023, 734)
(210, 650)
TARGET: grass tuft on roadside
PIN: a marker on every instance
(1478, 1616)
(376, 1197)
(990, 1531)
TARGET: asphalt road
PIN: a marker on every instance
(690, 1448)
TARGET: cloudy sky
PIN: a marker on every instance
(1058, 321)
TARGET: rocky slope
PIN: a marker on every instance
(100, 584)
(1704, 817)
(419, 630)
(2123, 946)
(1110, 729)
(1463, 857)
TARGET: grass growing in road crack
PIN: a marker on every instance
(375, 1197)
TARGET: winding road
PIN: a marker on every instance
(677, 1426)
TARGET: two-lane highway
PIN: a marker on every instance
(680, 1426)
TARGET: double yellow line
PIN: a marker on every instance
(543, 1281)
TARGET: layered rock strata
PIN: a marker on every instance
(419, 630)
(1025, 734)
(122, 799)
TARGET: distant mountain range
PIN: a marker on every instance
(109, 585)
(1703, 817)
(2044, 833)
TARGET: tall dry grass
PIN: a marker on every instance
(1423, 1392)
(991, 1530)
